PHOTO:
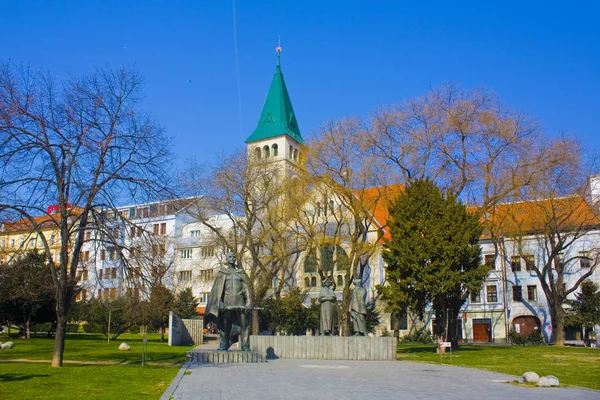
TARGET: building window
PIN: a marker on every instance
(195, 233)
(313, 281)
(291, 152)
(206, 274)
(132, 212)
(529, 262)
(113, 273)
(490, 260)
(85, 256)
(112, 252)
(340, 280)
(203, 297)
(185, 275)
(207, 251)
(85, 275)
(186, 254)
(163, 228)
(275, 150)
(113, 293)
(515, 263)
(52, 239)
(257, 152)
(492, 293)
(132, 231)
(585, 262)
(476, 297)
(517, 294)
(266, 151)
(306, 282)
(155, 229)
(532, 292)
(295, 154)
(102, 254)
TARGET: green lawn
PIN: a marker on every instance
(575, 366)
(126, 380)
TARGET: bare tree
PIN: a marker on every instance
(345, 186)
(81, 144)
(467, 142)
(554, 228)
(255, 200)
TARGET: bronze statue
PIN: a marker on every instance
(228, 305)
(327, 299)
(358, 308)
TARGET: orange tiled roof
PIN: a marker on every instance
(535, 215)
(43, 221)
(377, 200)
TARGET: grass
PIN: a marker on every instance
(575, 366)
(117, 374)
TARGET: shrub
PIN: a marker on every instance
(535, 338)
(418, 336)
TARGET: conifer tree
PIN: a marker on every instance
(433, 258)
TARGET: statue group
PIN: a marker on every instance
(230, 302)
(357, 309)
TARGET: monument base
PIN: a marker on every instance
(210, 356)
(325, 347)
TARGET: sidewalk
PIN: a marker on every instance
(348, 380)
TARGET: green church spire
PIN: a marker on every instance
(277, 117)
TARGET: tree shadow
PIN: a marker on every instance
(19, 377)
(432, 349)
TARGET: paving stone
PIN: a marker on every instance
(349, 380)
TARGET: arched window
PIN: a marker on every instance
(257, 152)
(340, 280)
(291, 151)
(266, 151)
(313, 281)
(295, 154)
(310, 263)
(306, 282)
(275, 149)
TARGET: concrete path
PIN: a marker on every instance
(345, 380)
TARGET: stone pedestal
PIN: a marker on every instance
(325, 347)
(222, 357)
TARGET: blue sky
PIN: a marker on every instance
(339, 58)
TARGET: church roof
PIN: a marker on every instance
(277, 117)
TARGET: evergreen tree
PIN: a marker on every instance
(433, 257)
(185, 304)
(586, 309)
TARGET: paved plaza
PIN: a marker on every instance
(345, 380)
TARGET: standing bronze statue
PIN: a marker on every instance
(327, 299)
(358, 308)
(228, 304)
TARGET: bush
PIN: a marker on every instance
(418, 336)
(535, 338)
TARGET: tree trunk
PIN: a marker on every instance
(59, 339)
(558, 325)
(63, 303)
(344, 314)
(27, 325)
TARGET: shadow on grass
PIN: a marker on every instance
(407, 349)
(19, 377)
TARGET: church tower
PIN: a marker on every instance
(277, 139)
